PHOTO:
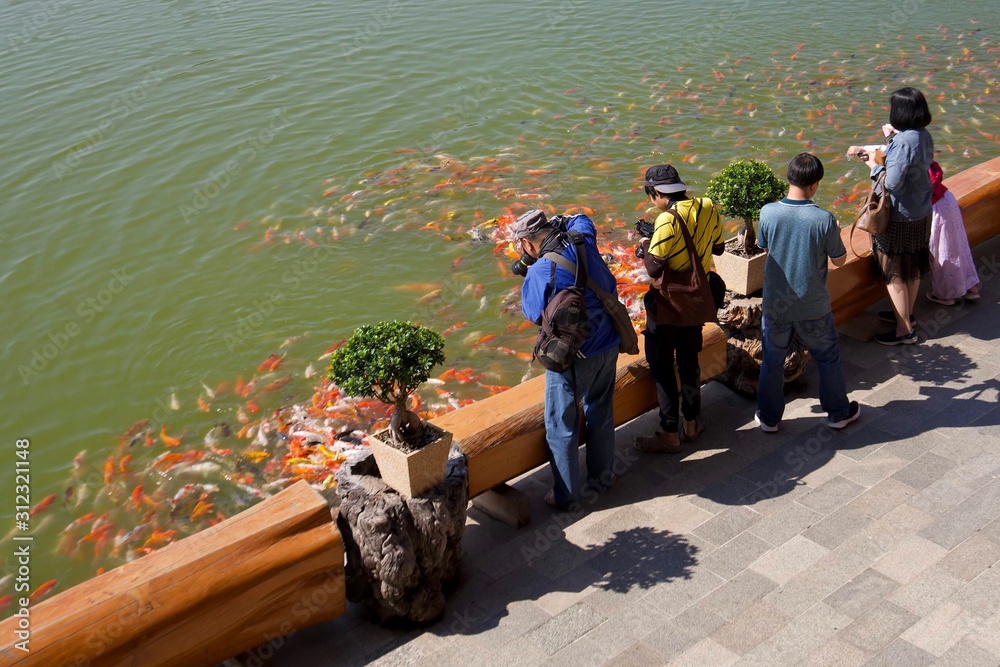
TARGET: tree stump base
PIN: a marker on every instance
(741, 318)
(402, 553)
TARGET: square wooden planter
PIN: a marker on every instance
(412, 473)
(742, 275)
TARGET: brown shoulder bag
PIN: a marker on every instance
(683, 298)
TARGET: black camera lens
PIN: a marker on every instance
(521, 264)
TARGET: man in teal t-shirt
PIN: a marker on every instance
(799, 238)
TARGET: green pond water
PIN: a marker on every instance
(187, 186)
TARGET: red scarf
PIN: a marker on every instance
(937, 178)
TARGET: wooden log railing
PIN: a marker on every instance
(254, 578)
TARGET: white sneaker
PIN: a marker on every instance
(855, 412)
(766, 428)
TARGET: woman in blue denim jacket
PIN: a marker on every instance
(903, 251)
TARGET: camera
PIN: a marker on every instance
(521, 264)
(644, 228)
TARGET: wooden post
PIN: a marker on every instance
(250, 580)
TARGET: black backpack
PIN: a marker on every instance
(564, 321)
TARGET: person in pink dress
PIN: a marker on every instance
(953, 271)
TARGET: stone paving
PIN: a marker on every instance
(875, 545)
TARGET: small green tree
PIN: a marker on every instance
(741, 190)
(388, 361)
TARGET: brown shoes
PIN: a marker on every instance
(692, 430)
(659, 442)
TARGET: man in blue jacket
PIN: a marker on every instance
(591, 378)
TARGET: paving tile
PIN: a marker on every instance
(878, 627)
(674, 514)
(871, 470)
(861, 593)
(638, 655)
(957, 524)
(676, 596)
(901, 653)
(517, 619)
(560, 631)
(939, 497)
(736, 555)
(756, 624)
(967, 654)
(912, 556)
(832, 495)
(785, 523)
(832, 530)
(863, 441)
(896, 524)
(886, 495)
(926, 592)
(847, 561)
(705, 652)
(727, 524)
(626, 627)
(584, 652)
(728, 600)
(555, 596)
(837, 653)
(798, 594)
(925, 470)
(729, 493)
(971, 557)
(987, 634)
(981, 596)
(789, 559)
(671, 639)
(941, 628)
(801, 637)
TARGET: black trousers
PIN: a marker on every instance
(664, 343)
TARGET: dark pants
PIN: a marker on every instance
(663, 343)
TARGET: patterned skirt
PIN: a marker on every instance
(903, 251)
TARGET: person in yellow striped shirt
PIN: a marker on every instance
(664, 341)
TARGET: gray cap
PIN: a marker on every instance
(528, 224)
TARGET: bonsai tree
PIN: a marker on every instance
(388, 361)
(740, 190)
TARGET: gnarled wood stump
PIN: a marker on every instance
(741, 319)
(401, 552)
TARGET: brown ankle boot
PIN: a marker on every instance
(660, 442)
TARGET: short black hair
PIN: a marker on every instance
(804, 170)
(908, 110)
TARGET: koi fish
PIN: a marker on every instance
(277, 384)
(42, 590)
(45, 503)
(430, 296)
(453, 328)
(271, 363)
(123, 464)
(168, 440)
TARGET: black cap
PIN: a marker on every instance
(664, 178)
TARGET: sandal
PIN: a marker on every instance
(972, 296)
(936, 299)
(660, 442)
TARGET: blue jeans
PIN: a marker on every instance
(820, 337)
(591, 380)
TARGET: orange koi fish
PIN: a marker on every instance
(168, 440)
(430, 296)
(109, 469)
(123, 464)
(271, 363)
(453, 328)
(133, 430)
(203, 404)
(201, 509)
(252, 407)
(277, 384)
(43, 505)
(42, 590)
